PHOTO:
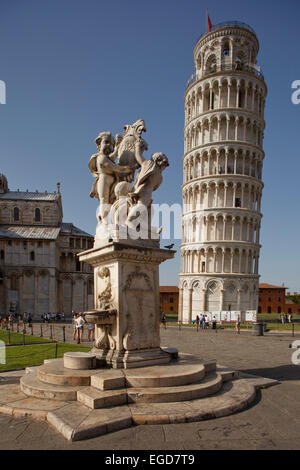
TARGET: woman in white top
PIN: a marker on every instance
(79, 327)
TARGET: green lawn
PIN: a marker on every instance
(18, 357)
(17, 338)
(269, 317)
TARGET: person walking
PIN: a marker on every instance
(238, 324)
(164, 321)
(79, 326)
(214, 324)
(197, 322)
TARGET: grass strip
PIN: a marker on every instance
(17, 338)
(24, 356)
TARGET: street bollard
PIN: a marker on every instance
(56, 350)
(9, 336)
(64, 334)
(31, 326)
(293, 330)
(41, 334)
(24, 337)
(18, 328)
(51, 333)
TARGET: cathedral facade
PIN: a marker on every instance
(39, 268)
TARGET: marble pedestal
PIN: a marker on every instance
(126, 278)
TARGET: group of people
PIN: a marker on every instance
(285, 318)
(204, 323)
(78, 324)
(51, 317)
(16, 318)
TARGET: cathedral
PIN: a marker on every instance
(39, 268)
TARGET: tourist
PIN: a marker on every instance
(91, 331)
(74, 316)
(206, 322)
(282, 318)
(214, 324)
(238, 324)
(202, 321)
(197, 322)
(79, 327)
(164, 321)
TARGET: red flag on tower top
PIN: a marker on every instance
(208, 21)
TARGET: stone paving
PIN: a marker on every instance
(272, 422)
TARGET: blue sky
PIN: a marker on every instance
(75, 68)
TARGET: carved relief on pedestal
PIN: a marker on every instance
(105, 340)
(139, 311)
(105, 297)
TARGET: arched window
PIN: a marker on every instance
(269, 310)
(37, 215)
(2, 255)
(279, 310)
(32, 256)
(16, 214)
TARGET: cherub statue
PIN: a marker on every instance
(127, 147)
(106, 172)
(147, 180)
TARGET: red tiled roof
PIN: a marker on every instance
(270, 286)
(170, 289)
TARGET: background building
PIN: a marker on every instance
(273, 299)
(222, 168)
(168, 299)
(39, 269)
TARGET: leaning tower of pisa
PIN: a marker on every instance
(222, 188)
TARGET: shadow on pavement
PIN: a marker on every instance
(282, 373)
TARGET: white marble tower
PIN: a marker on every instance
(222, 188)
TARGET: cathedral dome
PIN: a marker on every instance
(3, 184)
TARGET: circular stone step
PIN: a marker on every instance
(33, 387)
(79, 360)
(167, 376)
(55, 373)
(211, 384)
